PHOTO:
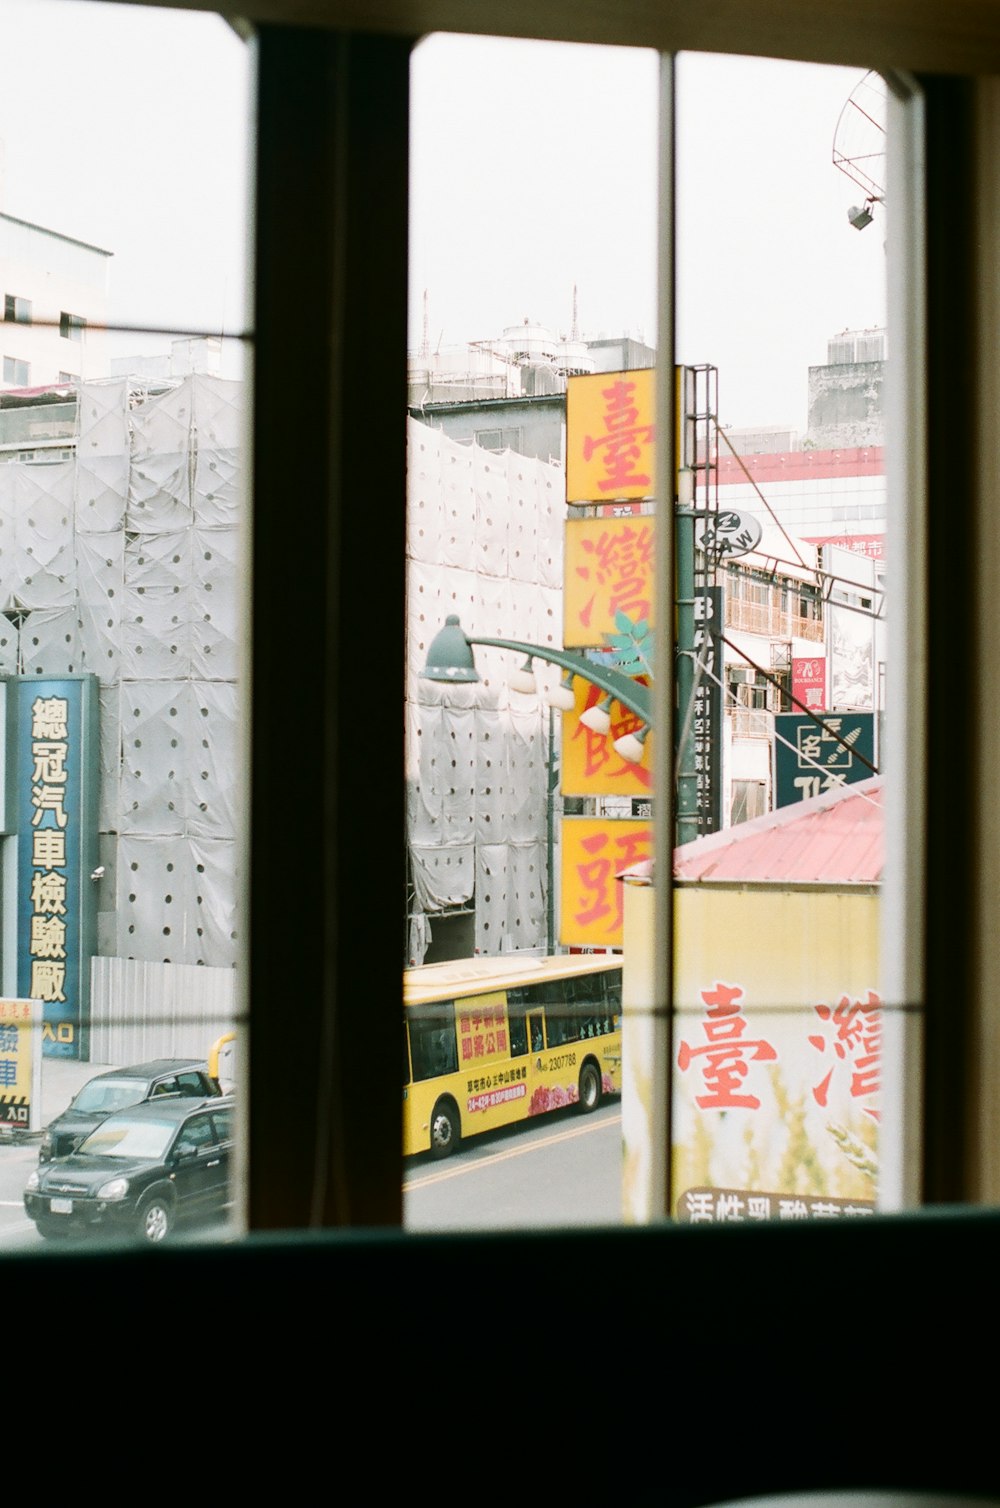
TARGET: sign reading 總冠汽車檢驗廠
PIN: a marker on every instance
(55, 777)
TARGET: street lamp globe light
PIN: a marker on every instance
(630, 745)
(598, 717)
(449, 656)
(523, 680)
(563, 697)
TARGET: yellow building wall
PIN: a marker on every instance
(776, 1052)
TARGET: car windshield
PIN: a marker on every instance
(103, 1096)
(121, 1137)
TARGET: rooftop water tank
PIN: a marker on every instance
(530, 343)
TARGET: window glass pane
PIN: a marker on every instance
(123, 222)
(781, 237)
(532, 279)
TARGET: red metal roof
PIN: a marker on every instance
(833, 839)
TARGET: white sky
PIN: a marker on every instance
(129, 128)
(534, 168)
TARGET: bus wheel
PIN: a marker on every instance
(590, 1087)
(446, 1131)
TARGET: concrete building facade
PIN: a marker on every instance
(55, 301)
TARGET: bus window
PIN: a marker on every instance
(433, 1047)
(406, 1057)
(517, 1023)
(537, 1040)
(559, 1026)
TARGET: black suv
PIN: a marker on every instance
(183, 1078)
(140, 1173)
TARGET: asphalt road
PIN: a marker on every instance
(562, 1170)
(61, 1079)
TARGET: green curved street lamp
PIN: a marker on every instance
(450, 658)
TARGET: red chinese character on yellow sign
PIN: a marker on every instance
(854, 1030)
(590, 766)
(609, 569)
(610, 435)
(482, 1029)
(595, 851)
(725, 1053)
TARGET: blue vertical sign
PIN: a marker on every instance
(55, 773)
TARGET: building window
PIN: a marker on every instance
(72, 326)
(17, 309)
(16, 373)
(749, 800)
(747, 703)
(809, 603)
(498, 439)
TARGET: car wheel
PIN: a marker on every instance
(156, 1220)
(446, 1130)
(590, 1087)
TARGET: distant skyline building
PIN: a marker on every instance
(55, 303)
(510, 393)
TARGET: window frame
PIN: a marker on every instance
(71, 326)
(320, 1173)
(355, 62)
(17, 310)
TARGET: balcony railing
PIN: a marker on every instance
(750, 722)
(770, 621)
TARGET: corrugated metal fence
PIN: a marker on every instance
(141, 1011)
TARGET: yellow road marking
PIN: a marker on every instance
(456, 1170)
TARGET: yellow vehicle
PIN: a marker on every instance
(489, 1041)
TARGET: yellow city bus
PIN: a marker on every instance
(489, 1041)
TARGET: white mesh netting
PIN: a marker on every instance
(484, 541)
(124, 562)
(102, 457)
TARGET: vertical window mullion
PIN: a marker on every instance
(326, 821)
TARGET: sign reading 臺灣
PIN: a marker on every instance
(56, 818)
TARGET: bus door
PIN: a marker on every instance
(525, 1020)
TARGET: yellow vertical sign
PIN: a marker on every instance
(610, 435)
(610, 568)
(595, 851)
(590, 764)
(20, 1065)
